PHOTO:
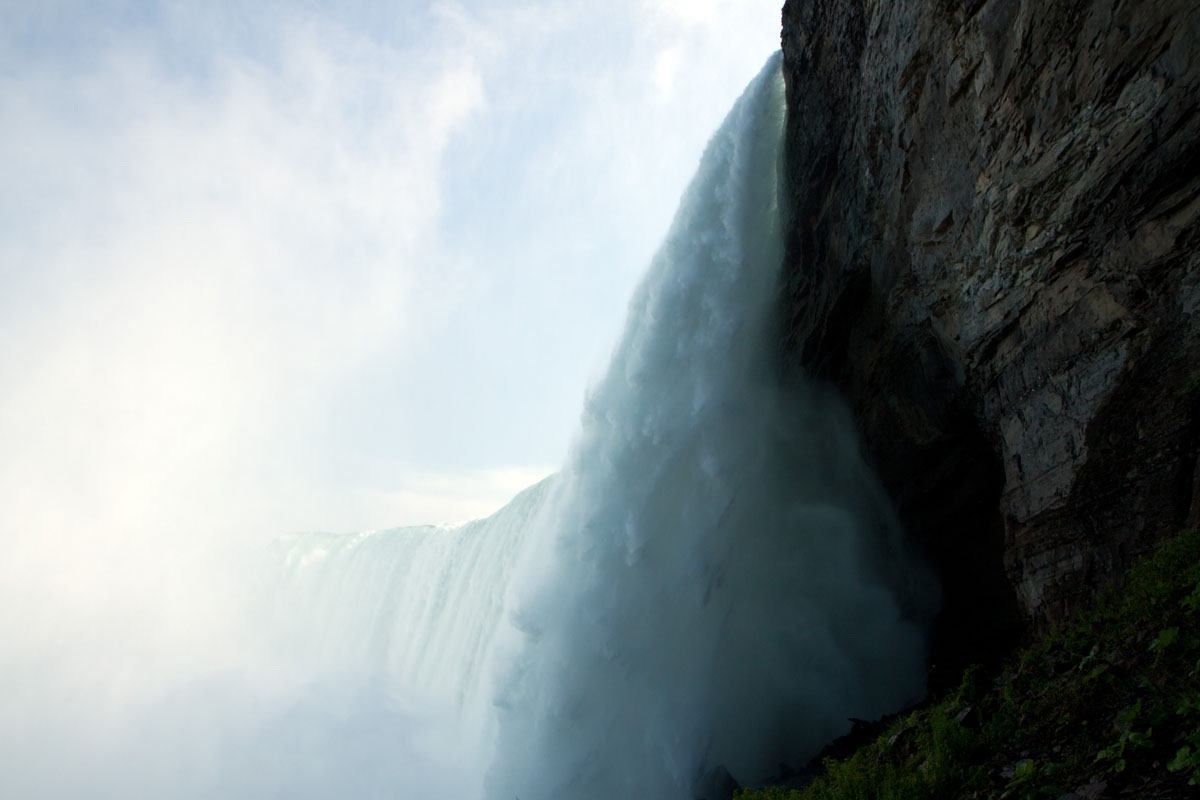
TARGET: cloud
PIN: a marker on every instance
(217, 222)
(193, 260)
(200, 260)
(666, 68)
(300, 266)
(694, 12)
(456, 497)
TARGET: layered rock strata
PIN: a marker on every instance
(993, 252)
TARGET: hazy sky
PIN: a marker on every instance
(272, 266)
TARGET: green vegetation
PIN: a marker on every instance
(1110, 701)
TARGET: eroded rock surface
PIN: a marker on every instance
(994, 253)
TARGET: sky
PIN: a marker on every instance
(272, 266)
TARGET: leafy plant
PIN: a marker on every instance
(1166, 638)
(1130, 739)
(1192, 602)
(1031, 781)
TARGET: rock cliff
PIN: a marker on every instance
(993, 252)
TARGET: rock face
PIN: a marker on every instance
(993, 252)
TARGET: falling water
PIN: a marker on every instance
(713, 581)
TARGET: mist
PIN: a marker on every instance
(292, 270)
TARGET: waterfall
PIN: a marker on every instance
(416, 608)
(714, 580)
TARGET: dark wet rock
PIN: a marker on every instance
(994, 255)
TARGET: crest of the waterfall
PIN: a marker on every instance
(716, 579)
(412, 610)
